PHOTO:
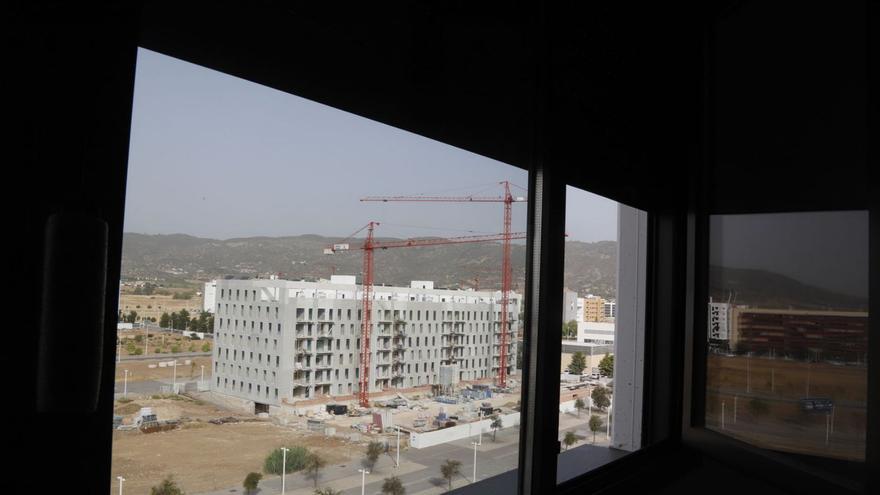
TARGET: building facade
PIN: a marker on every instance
(801, 334)
(594, 308)
(281, 341)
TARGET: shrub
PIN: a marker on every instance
(167, 487)
(192, 348)
(296, 460)
(374, 450)
(175, 349)
(251, 481)
(206, 347)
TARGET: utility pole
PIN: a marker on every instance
(397, 462)
(125, 384)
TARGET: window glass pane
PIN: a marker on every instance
(247, 256)
(602, 333)
(788, 323)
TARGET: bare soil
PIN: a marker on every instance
(202, 456)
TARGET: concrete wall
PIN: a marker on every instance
(432, 438)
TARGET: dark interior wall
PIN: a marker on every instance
(620, 98)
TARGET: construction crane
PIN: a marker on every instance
(506, 275)
(369, 245)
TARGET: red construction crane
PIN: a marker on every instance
(506, 275)
(368, 247)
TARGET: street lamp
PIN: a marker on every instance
(284, 451)
(203, 372)
(121, 481)
(364, 474)
(125, 384)
(398, 446)
(174, 378)
(475, 461)
(480, 424)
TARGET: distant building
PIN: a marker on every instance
(592, 352)
(594, 308)
(569, 306)
(580, 310)
(609, 310)
(279, 341)
(210, 296)
(596, 332)
(801, 334)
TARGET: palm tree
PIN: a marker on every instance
(570, 439)
(496, 424)
(450, 469)
(393, 486)
(313, 466)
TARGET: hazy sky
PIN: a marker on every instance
(824, 249)
(216, 156)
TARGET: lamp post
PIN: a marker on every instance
(125, 384)
(475, 461)
(118, 350)
(283, 468)
(174, 378)
(121, 481)
(203, 372)
(397, 462)
(364, 474)
(480, 425)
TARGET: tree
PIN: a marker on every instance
(579, 405)
(578, 363)
(393, 486)
(131, 317)
(206, 347)
(450, 469)
(569, 439)
(496, 424)
(183, 315)
(374, 450)
(167, 487)
(165, 320)
(595, 425)
(600, 398)
(313, 467)
(250, 482)
(210, 324)
(296, 460)
(758, 407)
(570, 330)
(606, 365)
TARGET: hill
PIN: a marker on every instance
(590, 267)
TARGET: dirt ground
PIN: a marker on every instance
(778, 385)
(141, 371)
(788, 378)
(155, 305)
(164, 342)
(203, 456)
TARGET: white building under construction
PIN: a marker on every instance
(283, 341)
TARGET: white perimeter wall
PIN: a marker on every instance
(432, 438)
